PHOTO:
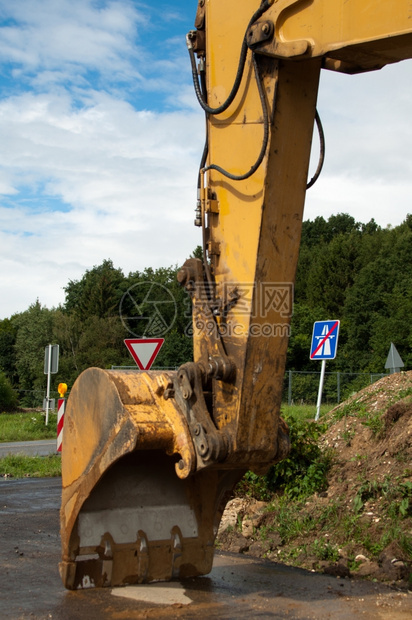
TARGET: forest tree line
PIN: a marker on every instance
(358, 273)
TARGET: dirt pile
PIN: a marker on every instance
(362, 524)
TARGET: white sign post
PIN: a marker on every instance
(324, 346)
(51, 366)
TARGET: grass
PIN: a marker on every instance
(314, 531)
(320, 532)
(27, 426)
(304, 412)
(17, 466)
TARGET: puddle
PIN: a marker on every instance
(157, 593)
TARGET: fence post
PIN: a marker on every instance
(338, 385)
(290, 388)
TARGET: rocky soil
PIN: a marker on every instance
(361, 526)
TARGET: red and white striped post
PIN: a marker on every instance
(61, 406)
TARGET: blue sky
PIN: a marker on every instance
(101, 137)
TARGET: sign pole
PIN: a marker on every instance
(61, 407)
(51, 366)
(321, 381)
(48, 384)
(324, 345)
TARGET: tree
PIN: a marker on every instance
(101, 343)
(98, 293)
(332, 273)
(8, 397)
(34, 333)
(67, 331)
(378, 306)
(341, 224)
(8, 334)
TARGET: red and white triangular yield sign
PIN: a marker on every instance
(144, 350)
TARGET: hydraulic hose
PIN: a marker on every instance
(239, 74)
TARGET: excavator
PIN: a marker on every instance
(150, 458)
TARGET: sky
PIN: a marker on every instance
(101, 137)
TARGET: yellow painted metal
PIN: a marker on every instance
(365, 34)
(257, 227)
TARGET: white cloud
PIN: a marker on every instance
(127, 179)
(46, 33)
(368, 167)
(84, 44)
(85, 175)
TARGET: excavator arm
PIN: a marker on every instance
(150, 458)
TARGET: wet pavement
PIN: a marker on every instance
(40, 447)
(238, 586)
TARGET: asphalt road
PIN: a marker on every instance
(238, 586)
(41, 447)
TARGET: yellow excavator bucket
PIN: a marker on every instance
(128, 515)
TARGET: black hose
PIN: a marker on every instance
(239, 74)
(265, 141)
(321, 154)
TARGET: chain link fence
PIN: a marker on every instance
(301, 387)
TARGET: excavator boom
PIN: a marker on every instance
(150, 458)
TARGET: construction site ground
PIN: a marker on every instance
(239, 586)
(329, 571)
(360, 527)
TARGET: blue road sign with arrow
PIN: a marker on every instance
(324, 340)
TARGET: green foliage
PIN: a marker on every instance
(34, 332)
(375, 422)
(301, 474)
(291, 521)
(27, 426)
(8, 333)
(16, 466)
(353, 408)
(359, 273)
(8, 397)
(396, 496)
(304, 471)
(97, 294)
(101, 309)
(253, 485)
(325, 550)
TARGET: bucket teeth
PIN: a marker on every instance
(127, 564)
(143, 557)
(177, 551)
